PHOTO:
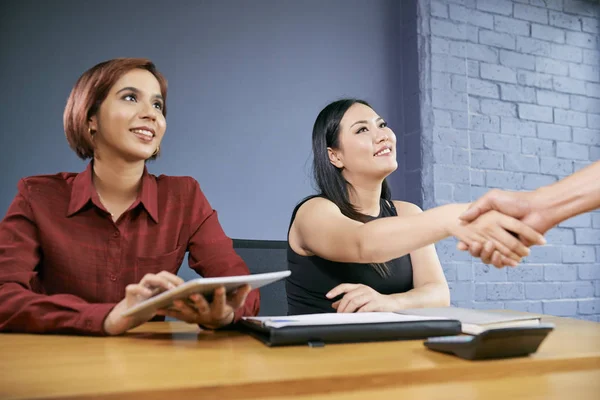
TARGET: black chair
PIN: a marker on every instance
(261, 256)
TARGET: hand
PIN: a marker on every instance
(527, 206)
(360, 298)
(493, 229)
(197, 310)
(150, 285)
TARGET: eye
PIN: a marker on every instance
(130, 97)
(383, 124)
(158, 105)
(362, 129)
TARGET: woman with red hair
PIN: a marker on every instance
(78, 249)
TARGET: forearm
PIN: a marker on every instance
(428, 295)
(388, 238)
(574, 195)
(22, 310)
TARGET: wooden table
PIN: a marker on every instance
(164, 360)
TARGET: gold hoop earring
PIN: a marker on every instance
(156, 151)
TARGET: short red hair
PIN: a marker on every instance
(91, 90)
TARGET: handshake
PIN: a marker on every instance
(501, 226)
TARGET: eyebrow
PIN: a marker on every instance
(137, 91)
(364, 122)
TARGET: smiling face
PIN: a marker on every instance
(130, 123)
(367, 147)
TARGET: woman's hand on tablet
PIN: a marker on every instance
(150, 285)
(214, 315)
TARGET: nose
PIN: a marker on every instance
(148, 111)
(382, 136)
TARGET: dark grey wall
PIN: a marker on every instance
(246, 80)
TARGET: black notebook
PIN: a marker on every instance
(319, 329)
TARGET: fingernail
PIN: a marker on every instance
(328, 295)
(171, 286)
(542, 241)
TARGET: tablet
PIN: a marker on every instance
(206, 287)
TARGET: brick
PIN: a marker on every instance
(525, 306)
(569, 85)
(592, 89)
(484, 123)
(585, 72)
(572, 118)
(517, 93)
(581, 39)
(596, 220)
(591, 306)
(462, 193)
(556, 166)
(587, 236)
(459, 83)
(460, 120)
(499, 108)
(514, 126)
(590, 25)
(560, 308)
(472, 33)
(476, 140)
(464, 271)
(578, 254)
(439, 9)
(550, 66)
(580, 221)
(566, 52)
(554, 132)
(505, 291)
(478, 191)
(497, 39)
(488, 305)
(473, 68)
(486, 273)
(449, 100)
(453, 65)
(451, 174)
(442, 154)
(511, 25)
(593, 121)
(461, 291)
(470, 16)
(450, 137)
(581, 7)
(521, 163)
(597, 288)
(549, 33)
(595, 153)
(550, 4)
(477, 87)
(529, 13)
(585, 104)
(544, 254)
(482, 53)
(552, 99)
(448, 29)
(539, 291)
(563, 20)
(543, 81)
(458, 48)
(509, 144)
(477, 178)
(534, 46)
(443, 191)
(572, 151)
(485, 159)
(480, 293)
(591, 57)
(516, 60)
(558, 236)
(439, 45)
(589, 271)
(560, 272)
(539, 147)
(535, 113)
(577, 165)
(503, 7)
(526, 273)
(449, 272)
(504, 180)
(576, 290)
(498, 73)
(440, 80)
(460, 157)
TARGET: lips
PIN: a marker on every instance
(143, 133)
(382, 152)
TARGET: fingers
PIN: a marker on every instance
(525, 233)
(157, 283)
(174, 279)
(340, 289)
(135, 290)
(238, 299)
(479, 207)
(200, 303)
(513, 204)
(349, 305)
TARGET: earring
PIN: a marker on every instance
(156, 151)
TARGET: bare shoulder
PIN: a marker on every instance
(406, 208)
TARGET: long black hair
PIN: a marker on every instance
(329, 179)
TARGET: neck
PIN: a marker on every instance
(116, 179)
(365, 196)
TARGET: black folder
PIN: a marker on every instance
(319, 335)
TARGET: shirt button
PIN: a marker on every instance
(116, 234)
(113, 277)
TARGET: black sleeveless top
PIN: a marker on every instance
(312, 277)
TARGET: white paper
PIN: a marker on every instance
(337, 319)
